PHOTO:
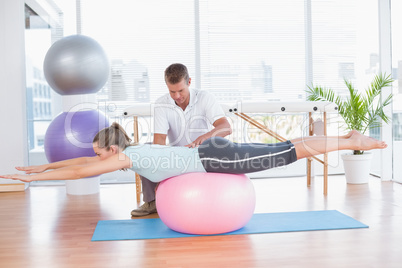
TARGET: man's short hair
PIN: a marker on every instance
(175, 73)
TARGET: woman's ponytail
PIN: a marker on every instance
(113, 135)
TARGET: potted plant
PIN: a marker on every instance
(360, 111)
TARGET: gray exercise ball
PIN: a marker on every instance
(76, 64)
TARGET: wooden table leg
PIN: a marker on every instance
(138, 187)
(325, 158)
(309, 159)
(137, 176)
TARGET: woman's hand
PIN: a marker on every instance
(32, 169)
(20, 177)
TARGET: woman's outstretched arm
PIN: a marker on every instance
(73, 172)
(59, 164)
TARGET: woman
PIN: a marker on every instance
(156, 162)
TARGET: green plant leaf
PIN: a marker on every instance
(360, 111)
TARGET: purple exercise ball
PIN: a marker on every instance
(70, 134)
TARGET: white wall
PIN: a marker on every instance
(13, 133)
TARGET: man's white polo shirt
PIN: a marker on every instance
(183, 127)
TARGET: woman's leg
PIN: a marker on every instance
(323, 144)
(308, 138)
(315, 137)
(221, 155)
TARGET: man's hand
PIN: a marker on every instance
(198, 141)
(221, 128)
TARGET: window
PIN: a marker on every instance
(41, 29)
(236, 49)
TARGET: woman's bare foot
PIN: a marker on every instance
(365, 143)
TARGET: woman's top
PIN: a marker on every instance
(159, 162)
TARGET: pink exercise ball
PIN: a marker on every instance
(206, 203)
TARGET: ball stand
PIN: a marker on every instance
(84, 186)
(76, 67)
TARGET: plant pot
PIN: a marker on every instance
(357, 167)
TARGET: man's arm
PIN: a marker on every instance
(160, 139)
(221, 128)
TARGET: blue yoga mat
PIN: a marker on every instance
(260, 223)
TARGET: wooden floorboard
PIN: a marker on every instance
(45, 227)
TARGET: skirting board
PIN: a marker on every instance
(12, 187)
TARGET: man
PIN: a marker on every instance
(185, 116)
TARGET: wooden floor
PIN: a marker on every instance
(45, 227)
